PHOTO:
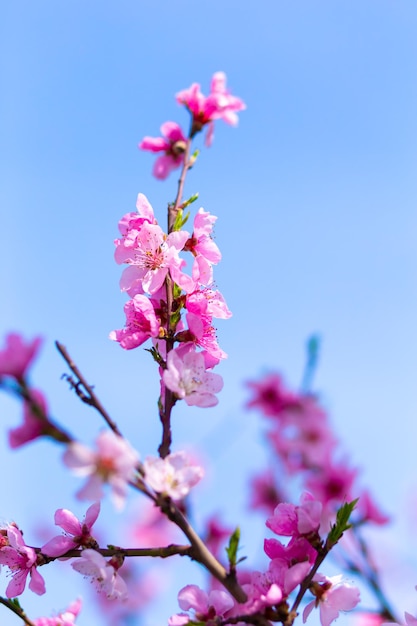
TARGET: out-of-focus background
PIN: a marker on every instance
(315, 194)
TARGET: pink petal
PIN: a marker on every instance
(37, 583)
(67, 521)
(58, 546)
(92, 515)
(192, 597)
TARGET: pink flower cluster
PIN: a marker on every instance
(153, 264)
(204, 110)
(302, 439)
(289, 566)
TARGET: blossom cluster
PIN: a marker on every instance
(302, 439)
(289, 566)
(161, 291)
(204, 110)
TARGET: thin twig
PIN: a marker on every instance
(90, 397)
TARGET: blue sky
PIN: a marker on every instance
(315, 194)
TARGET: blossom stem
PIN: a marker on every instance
(83, 390)
(17, 610)
(163, 552)
(169, 398)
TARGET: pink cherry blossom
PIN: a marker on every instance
(202, 246)
(173, 476)
(76, 533)
(141, 323)
(298, 550)
(103, 574)
(271, 397)
(114, 462)
(22, 561)
(17, 355)
(66, 618)
(208, 302)
(133, 221)
(261, 591)
(187, 377)
(295, 521)
(151, 256)
(333, 483)
(172, 144)
(203, 334)
(219, 104)
(35, 424)
(205, 607)
(332, 596)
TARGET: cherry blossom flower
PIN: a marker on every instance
(132, 222)
(205, 607)
(333, 483)
(173, 476)
(22, 561)
(204, 334)
(66, 618)
(103, 574)
(296, 521)
(202, 246)
(172, 144)
(187, 377)
(219, 104)
(297, 550)
(76, 533)
(114, 462)
(141, 323)
(208, 302)
(17, 355)
(35, 424)
(150, 257)
(271, 397)
(332, 596)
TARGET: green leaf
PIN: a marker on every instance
(341, 524)
(190, 200)
(233, 547)
(178, 221)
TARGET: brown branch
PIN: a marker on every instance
(200, 552)
(89, 397)
(163, 552)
